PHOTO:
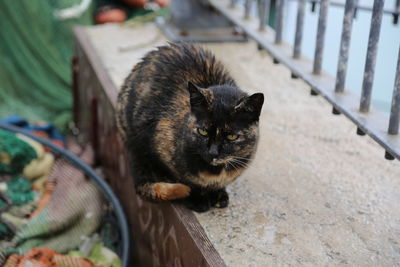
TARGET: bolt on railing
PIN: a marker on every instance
(366, 122)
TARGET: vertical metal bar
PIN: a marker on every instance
(344, 45)
(232, 4)
(313, 3)
(395, 110)
(247, 8)
(396, 10)
(299, 28)
(355, 9)
(280, 4)
(371, 55)
(319, 47)
(263, 11)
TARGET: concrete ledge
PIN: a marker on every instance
(161, 234)
(316, 195)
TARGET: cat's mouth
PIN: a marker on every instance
(219, 162)
(232, 161)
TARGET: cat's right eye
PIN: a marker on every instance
(232, 137)
(202, 132)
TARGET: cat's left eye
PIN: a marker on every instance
(232, 137)
(202, 132)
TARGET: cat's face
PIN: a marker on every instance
(225, 124)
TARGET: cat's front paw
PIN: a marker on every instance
(201, 200)
(170, 191)
(223, 201)
(199, 207)
(220, 199)
(198, 201)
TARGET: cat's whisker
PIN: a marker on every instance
(233, 166)
(244, 160)
(241, 163)
(237, 157)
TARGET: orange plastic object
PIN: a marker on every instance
(49, 188)
(44, 257)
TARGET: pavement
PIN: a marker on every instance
(316, 193)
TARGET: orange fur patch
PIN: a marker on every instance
(220, 180)
(164, 139)
(169, 191)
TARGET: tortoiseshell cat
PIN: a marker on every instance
(188, 127)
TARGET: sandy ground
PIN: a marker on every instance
(316, 194)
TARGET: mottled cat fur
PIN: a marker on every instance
(188, 127)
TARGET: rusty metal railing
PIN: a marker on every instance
(382, 128)
(394, 11)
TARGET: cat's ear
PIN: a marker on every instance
(250, 107)
(200, 99)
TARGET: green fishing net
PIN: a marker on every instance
(35, 53)
(15, 154)
(4, 231)
(19, 190)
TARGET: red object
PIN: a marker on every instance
(135, 3)
(163, 3)
(114, 15)
(141, 3)
(42, 134)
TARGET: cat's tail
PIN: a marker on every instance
(162, 191)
